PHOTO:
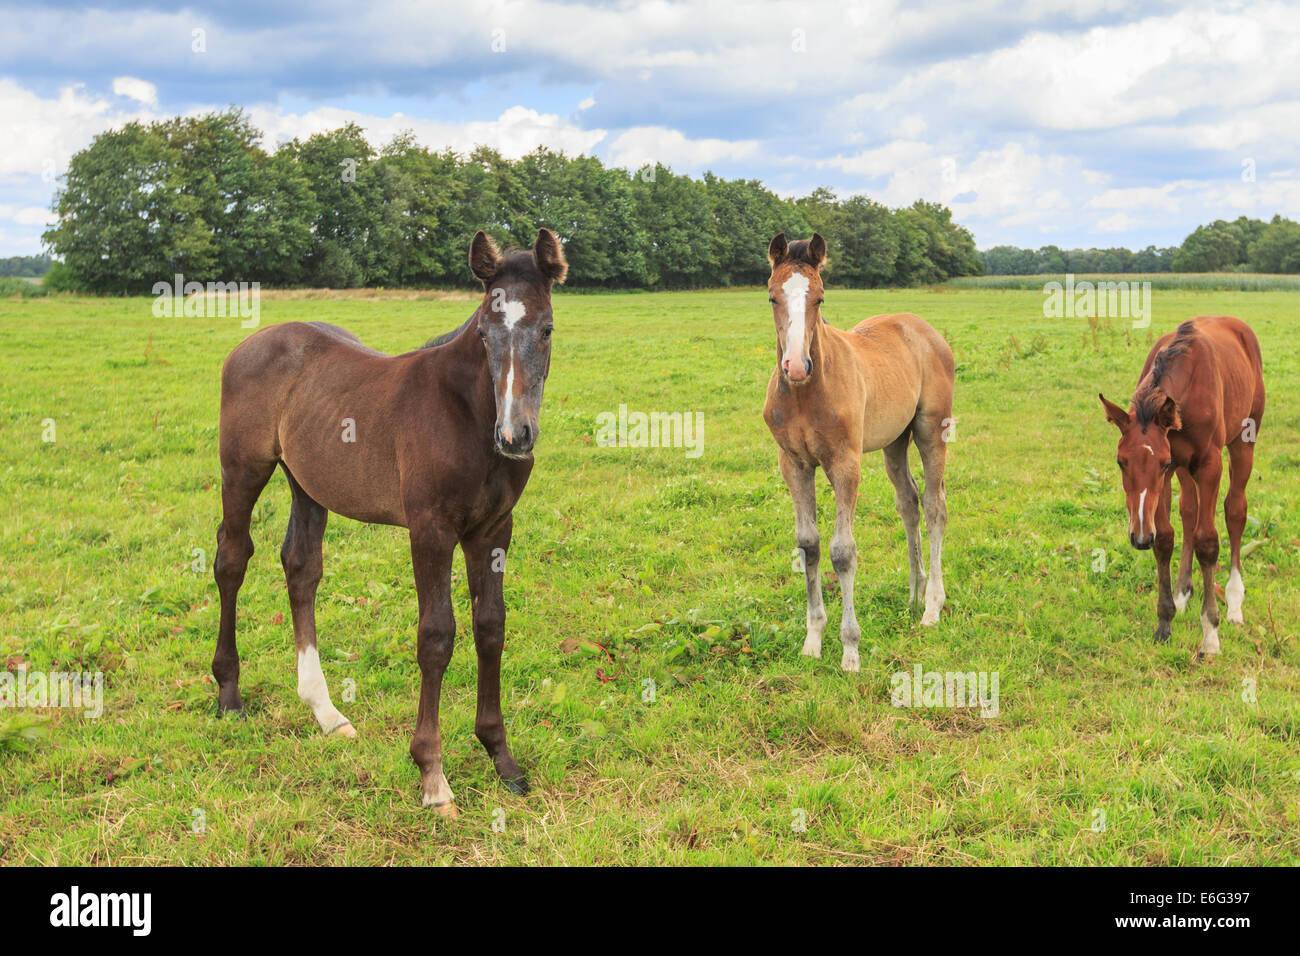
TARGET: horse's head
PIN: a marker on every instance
(795, 291)
(1144, 459)
(515, 324)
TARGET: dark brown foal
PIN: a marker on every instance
(438, 441)
(1201, 390)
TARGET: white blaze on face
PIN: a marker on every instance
(1142, 524)
(796, 302)
(512, 312)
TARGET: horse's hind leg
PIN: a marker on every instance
(1207, 550)
(301, 558)
(932, 445)
(241, 483)
(1241, 459)
(908, 502)
(1187, 511)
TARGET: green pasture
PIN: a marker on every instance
(703, 737)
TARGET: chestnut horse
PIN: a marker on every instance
(437, 441)
(836, 395)
(1202, 388)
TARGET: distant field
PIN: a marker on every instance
(1105, 750)
(1176, 281)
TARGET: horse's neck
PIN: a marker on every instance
(822, 347)
(461, 362)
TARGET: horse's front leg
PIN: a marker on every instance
(1164, 550)
(485, 561)
(844, 475)
(801, 480)
(1187, 512)
(431, 552)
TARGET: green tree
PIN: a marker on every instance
(1277, 248)
(124, 219)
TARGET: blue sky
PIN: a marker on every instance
(1081, 123)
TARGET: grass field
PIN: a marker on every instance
(682, 567)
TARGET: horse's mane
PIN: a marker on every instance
(446, 337)
(1149, 398)
(797, 251)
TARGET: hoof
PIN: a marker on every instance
(930, 619)
(812, 650)
(234, 712)
(516, 785)
(1235, 617)
(447, 809)
(343, 730)
(1161, 635)
(849, 661)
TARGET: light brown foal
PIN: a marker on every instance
(836, 395)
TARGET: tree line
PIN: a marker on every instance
(199, 196)
(27, 267)
(1242, 245)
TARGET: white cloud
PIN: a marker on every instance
(641, 145)
(516, 131)
(141, 91)
(44, 132)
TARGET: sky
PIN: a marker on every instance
(1077, 123)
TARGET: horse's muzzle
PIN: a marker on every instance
(516, 443)
(1141, 543)
(792, 371)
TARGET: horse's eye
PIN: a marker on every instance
(1164, 466)
(546, 333)
(771, 299)
(819, 302)
(481, 334)
(1120, 462)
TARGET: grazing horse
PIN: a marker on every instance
(835, 395)
(1202, 388)
(437, 441)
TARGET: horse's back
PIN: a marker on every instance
(262, 374)
(1230, 331)
(911, 332)
(1231, 349)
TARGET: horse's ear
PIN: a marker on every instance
(1168, 417)
(1114, 413)
(817, 250)
(484, 257)
(550, 256)
(776, 248)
